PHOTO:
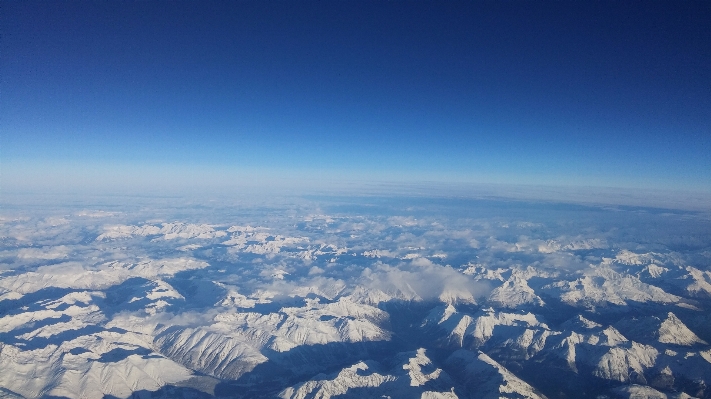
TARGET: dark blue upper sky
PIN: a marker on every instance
(585, 93)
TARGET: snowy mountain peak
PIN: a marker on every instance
(513, 293)
(414, 375)
(488, 378)
(652, 329)
(674, 331)
(579, 322)
(415, 369)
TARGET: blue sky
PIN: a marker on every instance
(556, 93)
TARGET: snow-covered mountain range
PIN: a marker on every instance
(355, 298)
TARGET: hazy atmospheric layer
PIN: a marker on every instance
(306, 297)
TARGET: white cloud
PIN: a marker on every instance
(44, 253)
(426, 280)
